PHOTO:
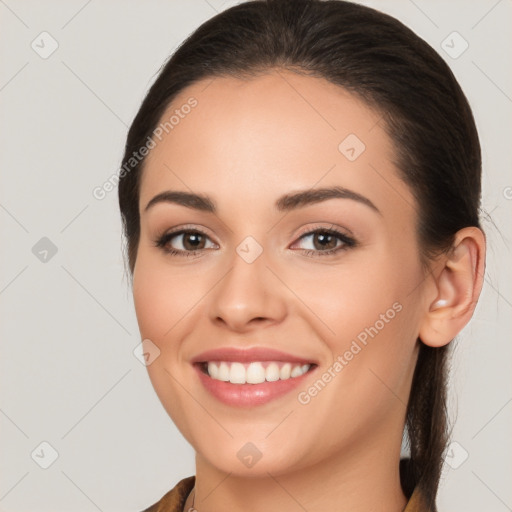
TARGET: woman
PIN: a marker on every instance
(300, 193)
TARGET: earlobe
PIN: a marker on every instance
(457, 285)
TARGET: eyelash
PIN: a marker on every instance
(348, 242)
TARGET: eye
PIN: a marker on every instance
(326, 241)
(189, 242)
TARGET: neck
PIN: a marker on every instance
(362, 478)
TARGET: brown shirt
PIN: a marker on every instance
(174, 500)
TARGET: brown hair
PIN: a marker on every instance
(424, 111)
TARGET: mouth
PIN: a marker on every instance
(255, 372)
(250, 384)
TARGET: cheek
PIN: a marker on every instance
(368, 320)
(346, 299)
(162, 300)
(161, 297)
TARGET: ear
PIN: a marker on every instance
(457, 287)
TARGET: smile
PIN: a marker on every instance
(267, 384)
(255, 372)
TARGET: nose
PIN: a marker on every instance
(248, 296)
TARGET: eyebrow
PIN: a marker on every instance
(285, 203)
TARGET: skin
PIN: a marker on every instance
(247, 143)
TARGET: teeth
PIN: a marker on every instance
(256, 372)
(237, 374)
(296, 371)
(223, 372)
(272, 372)
(285, 371)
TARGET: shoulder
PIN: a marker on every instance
(174, 500)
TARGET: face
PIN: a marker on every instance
(314, 298)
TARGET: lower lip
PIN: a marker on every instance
(249, 395)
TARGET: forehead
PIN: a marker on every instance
(274, 132)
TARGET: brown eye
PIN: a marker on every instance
(326, 241)
(184, 242)
(192, 241)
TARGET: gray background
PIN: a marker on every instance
(68, 329)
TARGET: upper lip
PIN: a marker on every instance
(247, 355)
